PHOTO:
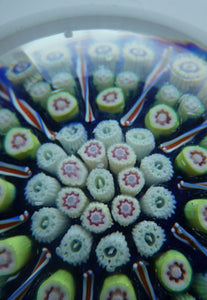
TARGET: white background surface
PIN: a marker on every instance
(189, 15)
(189, 11)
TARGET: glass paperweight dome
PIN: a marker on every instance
(103, 168)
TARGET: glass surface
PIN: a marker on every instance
(140, 81)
